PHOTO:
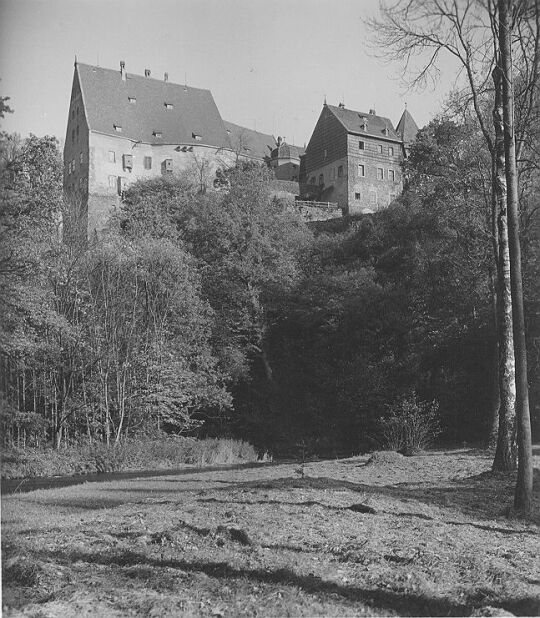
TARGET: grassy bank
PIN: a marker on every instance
(155, 454)
(428, 535)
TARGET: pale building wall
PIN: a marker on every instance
(108, 175)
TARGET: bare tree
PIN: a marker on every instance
(419, 31)
(523, 494)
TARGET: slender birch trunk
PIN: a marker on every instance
(523, 492)
(505, 454)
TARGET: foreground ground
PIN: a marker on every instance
(427, 535)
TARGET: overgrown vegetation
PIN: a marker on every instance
(210, 314)
(410, 425)
(140, 454)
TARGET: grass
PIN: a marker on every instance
(148, 454)
(426, 535)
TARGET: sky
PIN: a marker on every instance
(270, 64)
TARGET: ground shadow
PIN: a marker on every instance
(405, 603)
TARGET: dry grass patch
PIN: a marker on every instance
(425, 535)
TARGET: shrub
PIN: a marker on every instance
(410, 425)
(139, 454)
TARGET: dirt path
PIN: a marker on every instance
(426, 535)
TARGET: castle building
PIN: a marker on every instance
(354, 159)
(124, 127)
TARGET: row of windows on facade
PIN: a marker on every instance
(371, 196)
(390, 174)
(73, 185)
(158, 133)
(71, 164)
(363, 146)
(380, 148)
(127, 161)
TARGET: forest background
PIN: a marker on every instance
(222, 313)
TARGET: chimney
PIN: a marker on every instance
(372, 112)
(123, 70)
(279, 141)
(147, 72)
(342, 105)
(166, 77)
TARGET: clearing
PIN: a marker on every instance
(423, 536)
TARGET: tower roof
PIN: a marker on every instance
(407, 128)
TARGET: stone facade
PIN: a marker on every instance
(123, 128)
(354, 159)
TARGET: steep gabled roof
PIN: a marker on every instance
(248, 142)
(407, 128)
(189, 111)
(353, 121)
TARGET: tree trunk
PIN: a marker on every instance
(505, 453)
(523, 493)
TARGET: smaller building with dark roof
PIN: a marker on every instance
(354, 159)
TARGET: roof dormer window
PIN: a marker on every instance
(196, 136)
(117, 128)
(157, 133)
(132, 100)
(168, 105)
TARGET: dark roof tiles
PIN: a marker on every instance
(248, 142)
(364, 123)
(407, 128)
(107, 103)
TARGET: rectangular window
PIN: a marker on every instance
(357, 196)
(380, 173)
(325, 154)
(340, 171)
(112, 156)
(196, 136)
(168, 166)
(81, 158)
(117, 128)
(312, 180)
(391, 151)
(321, 179)
(169, 105)
(157, 133)
(391, 175)
(380, 149)
(361, 169)
(362, 145)
(132, 100)
(333, 173)
(147, 163)
(112, 182)
(127, 161)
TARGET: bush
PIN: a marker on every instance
(410, 425)
(141, 454)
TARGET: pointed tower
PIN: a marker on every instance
(407, 130)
